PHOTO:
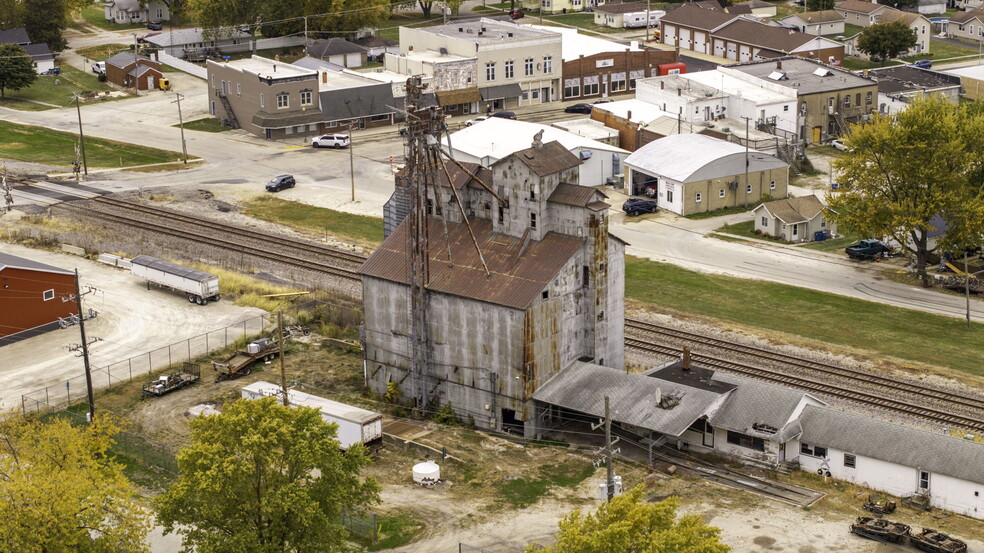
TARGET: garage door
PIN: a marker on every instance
(745, 53)
(719, 47)
(685, 41)
(700, 42)
(670, 37)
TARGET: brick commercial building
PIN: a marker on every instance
(32, 297)
(131, 70)
(592, 75)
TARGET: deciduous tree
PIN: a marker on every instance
(261, 477)
(44, 21)
(627, 524)
(62, 492)
(16, 68)
(11, 14)
(818, 5)
(886, 40)
(900, 173)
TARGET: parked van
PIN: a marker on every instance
(331, 141)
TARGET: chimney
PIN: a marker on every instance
(274, 68)
(778, 64)
(865, 73)
(324, 77)
(538, 140)
(679, 91)
(662, 85)
(686, 359)
(628, 116)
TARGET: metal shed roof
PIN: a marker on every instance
(695, 157)
(326, 406)
(8, 261)
(172, 268)
(893, 443)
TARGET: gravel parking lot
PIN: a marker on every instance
(132, 320)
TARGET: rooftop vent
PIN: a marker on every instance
(444, 51)
(822, 72)
(764, 428)
(668, 400)
(778, 76)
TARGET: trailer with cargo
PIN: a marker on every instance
(241, 362)
(168, 383)
(199, 287)
(354, 423)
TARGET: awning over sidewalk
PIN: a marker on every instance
(462, 96)
(501, 91)
(267, 120)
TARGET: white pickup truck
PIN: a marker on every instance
(99, 67)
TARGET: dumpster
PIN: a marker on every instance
(820, 235)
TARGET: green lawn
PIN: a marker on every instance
(911, 335)
(581, 20)
(523, 492)
(944, 50)
(833, 245)
(318, 219)
(54, 89)
(41, 145)
(206, 124)
(103, 52)
(723, 211)
(95, 15)
(855, 64)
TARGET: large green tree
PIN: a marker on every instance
(63, 493)
(900, 4)
(628, 524)
(886, 40)
(11, 14)
(16, 69)
(818, 5)
(44, 21)
(329, 16)
(264, 478)
(902, 172)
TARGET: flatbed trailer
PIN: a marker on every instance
(169, 383)
(241, 362)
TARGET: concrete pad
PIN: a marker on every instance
(132, 320)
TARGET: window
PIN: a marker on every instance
(572, 88)
(765, 221)
(850, 461)
(772, 185)
(857, 99)
(239, 89)
(383, 117)
(746, 441)
(533, 221)
(213, 80)
(585, 276)
(532, 191)
(528, 66)
(867, 99)
(634, 76)
(847, 100)
(823, 223)
(669, 196)
(591, 85)
(49, 294)
(307, 98)
(509, 69)
(548, 64)
(813, 451)
(698, 197)
(618, 82)
(721, 193)
(923, 480)
(212, 110)
(261, 99)
(545, 295)
(785, 107)
(502, 214)
(748, 189)
(489, 71)
(830, 102)
(283, 100)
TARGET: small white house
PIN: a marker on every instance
(135, 11)
(826, 22)
(489, 141)
(793, 219)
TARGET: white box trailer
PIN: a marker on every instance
(354, 424)
(199, 286)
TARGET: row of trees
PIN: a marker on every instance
(916, 174)
(43, 19)
(259, 478)
(346, 16)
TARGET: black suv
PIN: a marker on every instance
(155, 26)
(280, 183)
(635, 206)
(504, 115)
(578, 108)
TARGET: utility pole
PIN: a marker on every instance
(283, 369)
(85, 347)
(305, 34)
(746, 118)
(608, 451)
(78, 110)
(184, 146)
(967, 287)
(136, 80)
(7, 197)
(647, 21)
(352, 158)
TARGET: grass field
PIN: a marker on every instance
(58, 90)
(581, 20)
(95, 15)
(205, 124)
(41, 145)
(833, 245)
(362, 229)
(523, 492)
(103, 52)
(944, 50)
(880, 329)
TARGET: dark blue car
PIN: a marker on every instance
(923, 64)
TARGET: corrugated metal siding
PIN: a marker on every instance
(516, 279)
(572, 194)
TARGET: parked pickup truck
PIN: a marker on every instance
(867, 249)
(169, 383)
(240, 363)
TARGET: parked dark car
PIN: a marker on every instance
(52, 71)
(280, 183)
(504, 115)
(578, 108)
(635, 206)
(155, 26)
(516, 14)
(867, 249)
(603, 101)
(922, 64)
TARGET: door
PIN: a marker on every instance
(796, 231)
(719, 48)
(150, 83)
(782, 453)
(816, 134)
(708, 440)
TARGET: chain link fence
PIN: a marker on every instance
(73, 391)
(365, 525)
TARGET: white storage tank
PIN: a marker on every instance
(427, 473)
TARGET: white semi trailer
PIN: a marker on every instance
(199, 286)
(354, 423)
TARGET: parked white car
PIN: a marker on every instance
(331, 141)
(99, 67)
(839, 144)
(478, 119)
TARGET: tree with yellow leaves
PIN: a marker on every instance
(62, 492)
(628, 525)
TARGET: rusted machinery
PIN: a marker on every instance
(937, 542)
(881, 529)
(879, 506)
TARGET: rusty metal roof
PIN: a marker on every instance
(545, 160)
(573, 194)
(459, 177)
(518, 274)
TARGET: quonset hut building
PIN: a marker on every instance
(552, 298)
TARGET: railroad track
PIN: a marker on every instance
(814, 385)
(887, 382)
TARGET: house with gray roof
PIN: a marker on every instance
(338, 51)
(135, 11)
(41, 55)
(794, 219)
(893, 458)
